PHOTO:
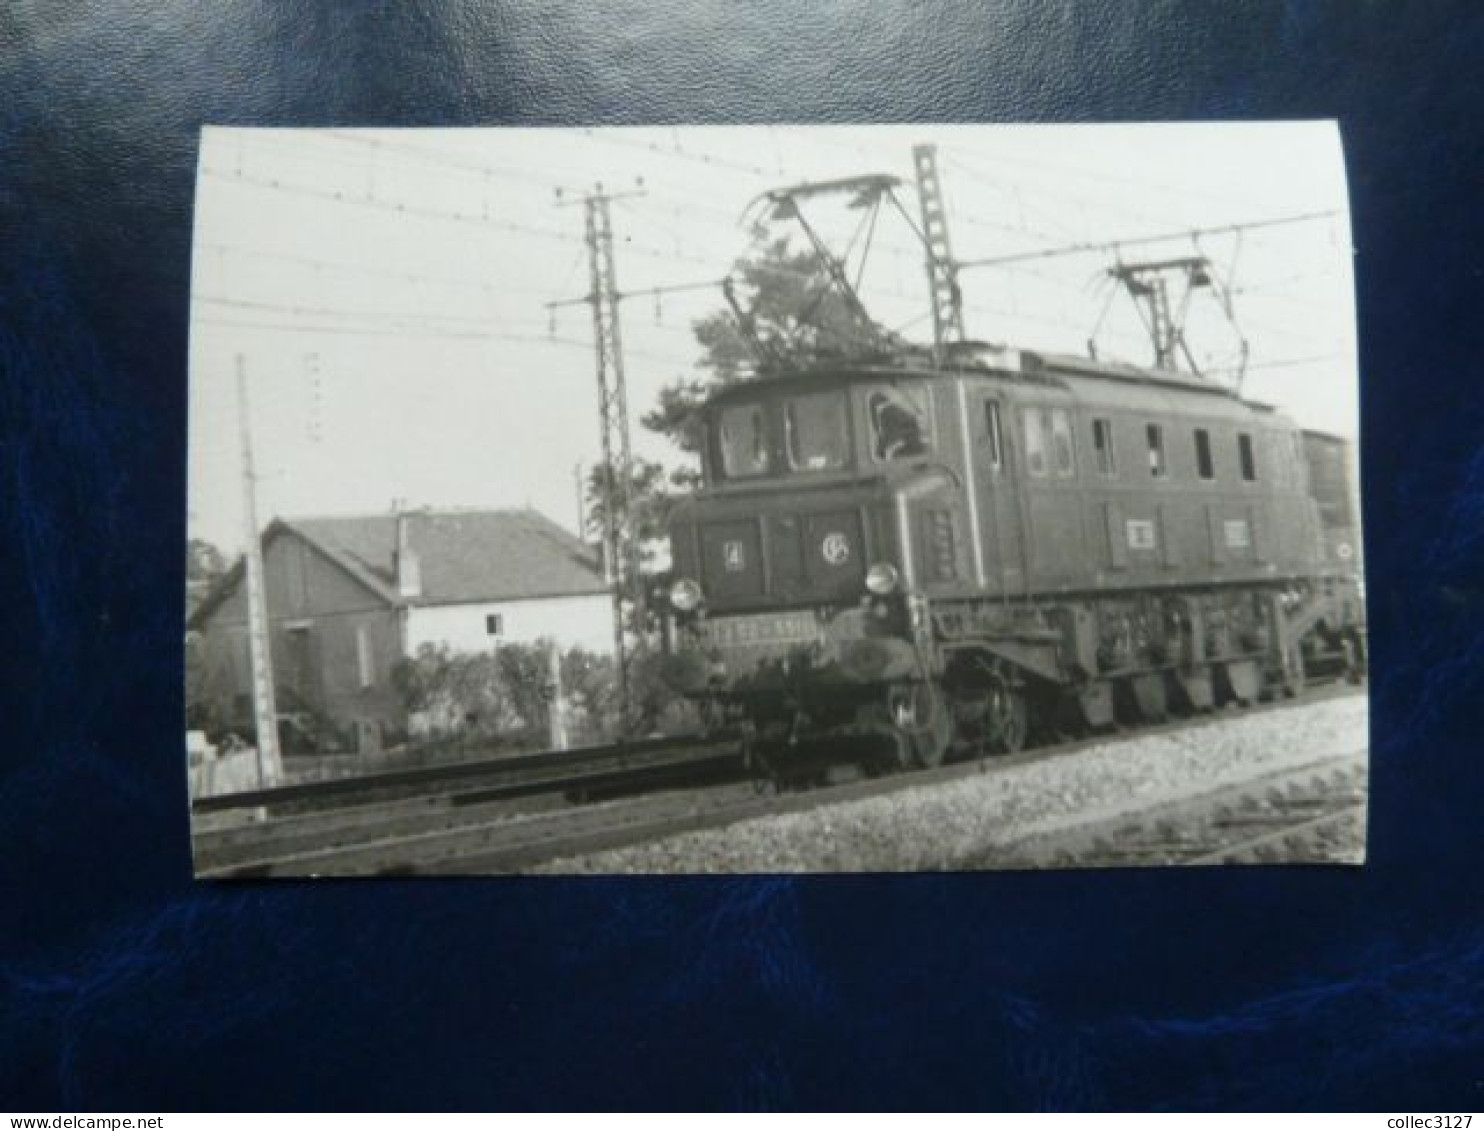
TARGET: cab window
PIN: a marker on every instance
(899, 424)
(1035, 442)
(816, 433)
(742, 437)
(1062, 448)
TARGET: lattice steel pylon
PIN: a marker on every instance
(942, 271)
(621, 540)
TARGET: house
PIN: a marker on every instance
(350, 597)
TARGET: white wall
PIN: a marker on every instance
(583, 622)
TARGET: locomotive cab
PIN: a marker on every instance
(801, 479)
(799, 563)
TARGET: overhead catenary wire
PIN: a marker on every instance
(487, 171)
(475, 219)
(610, 137)
(365, 200)
(1014, 261)
(401, 151)
(1112, 246)
(533, 338)
(1041, 167)
(337, 312)
(368, 270)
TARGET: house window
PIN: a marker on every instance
(1156, 437)
(1102, 446)
(365, 661)
(1061, 443)
(1203, 465)
(494, 624)
(995, 440)
(1035, 442)
(1247, 457)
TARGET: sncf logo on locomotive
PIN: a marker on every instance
(835, 548)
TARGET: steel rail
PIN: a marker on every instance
(427, 778)
(1239, 820)
(538, 839)
(347, 832)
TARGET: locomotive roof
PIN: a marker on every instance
(1068, 372)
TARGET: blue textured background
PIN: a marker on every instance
(124, 985)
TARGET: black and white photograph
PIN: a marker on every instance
(763, 499)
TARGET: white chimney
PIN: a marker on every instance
(409, 570)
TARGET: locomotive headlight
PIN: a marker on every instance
(685, 595)
(882, 578)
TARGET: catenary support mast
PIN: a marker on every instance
(260, 658)
(942, 271)
(621, 541)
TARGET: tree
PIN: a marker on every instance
(204, 562)
(205, 565)
(651, 493)
(790, 309)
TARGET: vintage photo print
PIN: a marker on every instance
(775, 498)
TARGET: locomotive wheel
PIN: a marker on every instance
(920, 713)
(1006, 718)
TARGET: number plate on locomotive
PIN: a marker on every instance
(772, 628)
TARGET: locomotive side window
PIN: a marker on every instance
(1203, 465)
(1247, 457)
(1061, 443)
(1158, 468)
(996, 441)
(1102, 447)
(743, 440)
(816, 432)
(898, 425)
(1035, 442)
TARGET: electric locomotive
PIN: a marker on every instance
(895, 559)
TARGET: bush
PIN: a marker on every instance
(505, 695)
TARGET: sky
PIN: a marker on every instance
(386, 291)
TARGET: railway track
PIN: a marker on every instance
(592, 768)
(470, 832)
(1311, 812)
(315, 818)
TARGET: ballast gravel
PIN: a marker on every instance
(943, 826)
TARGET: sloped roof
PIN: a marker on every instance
(507, 555)
(462, 555)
